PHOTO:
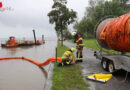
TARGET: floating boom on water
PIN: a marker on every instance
(52, 59)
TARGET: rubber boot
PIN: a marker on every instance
(59, 64)
(78, 58)
(81, 57)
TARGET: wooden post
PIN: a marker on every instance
(56, 54)
(34, 36)
(42, 37)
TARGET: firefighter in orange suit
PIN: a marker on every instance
(79, 47)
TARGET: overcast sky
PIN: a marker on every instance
(27, 15)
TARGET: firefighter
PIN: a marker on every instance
(79, 47)
(67, 57)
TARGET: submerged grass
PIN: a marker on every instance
(67, 77)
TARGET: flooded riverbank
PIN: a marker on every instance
(21, 74)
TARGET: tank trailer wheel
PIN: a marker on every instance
(111, 67)
(104, 64)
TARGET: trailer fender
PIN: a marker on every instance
(116, 63)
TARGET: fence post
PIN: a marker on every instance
(56, 54)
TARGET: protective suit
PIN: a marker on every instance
(67, 57)
(79, 47)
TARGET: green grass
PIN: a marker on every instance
(90, 43)
(93, 44)
(67, 77)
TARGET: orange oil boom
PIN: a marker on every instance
(52, 59)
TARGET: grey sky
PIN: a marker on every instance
(32, 14)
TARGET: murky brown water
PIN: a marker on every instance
(23, 75)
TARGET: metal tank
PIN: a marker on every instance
(114, 33)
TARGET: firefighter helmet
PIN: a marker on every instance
(72, 49)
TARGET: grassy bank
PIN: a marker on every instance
(92, 43)
(67, 77)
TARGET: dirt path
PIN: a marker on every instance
(92, 65)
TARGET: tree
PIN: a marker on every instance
(61, 16)
(67, 34)
(99, 10)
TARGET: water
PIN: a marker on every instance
(23, 75)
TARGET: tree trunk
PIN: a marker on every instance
(61, 37)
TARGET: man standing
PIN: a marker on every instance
(79, 47)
